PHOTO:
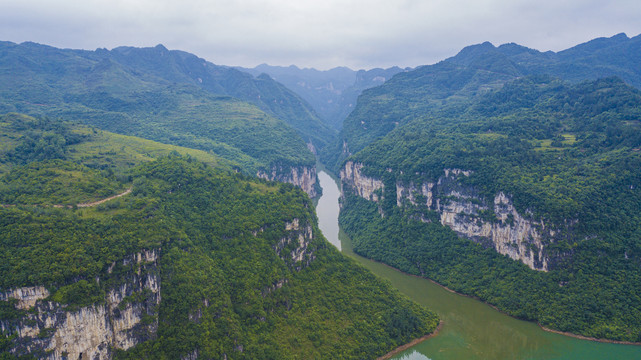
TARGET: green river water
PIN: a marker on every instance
(471, 329)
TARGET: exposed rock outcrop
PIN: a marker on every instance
(58, 331)
(26, 296)
(494, 223)
(294, 247)
(301, 176)
(366, 187)
(411, 193)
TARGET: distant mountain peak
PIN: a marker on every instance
(620, 36)
(468, 53)
(161, 47)
(264, 76)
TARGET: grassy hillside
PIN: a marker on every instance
(94, 88)
(26, 139)
(50, 162)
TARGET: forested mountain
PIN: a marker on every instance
(521, 190)
(167, 96)
(185, 260)
(185, 68)
(332, 93)
(474, 71)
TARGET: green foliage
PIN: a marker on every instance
(56, 182)
(8, 310)
(452, 84)
(125, 91)
(78, 294)
(226, 289)
(496, 139)
(596, 294)
(565, 154)
(5, 347)
(93, 148)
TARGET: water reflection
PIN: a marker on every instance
(415, 355)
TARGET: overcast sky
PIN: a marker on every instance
(319, 33)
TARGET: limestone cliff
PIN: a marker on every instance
(26, 296)
(492, 222)
(127, 316)
(294, 247)
(301, 176)
(366, 187)
(495, 224)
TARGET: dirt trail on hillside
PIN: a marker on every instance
(105, 200)
(83, 205)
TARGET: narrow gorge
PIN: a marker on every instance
(491, 222)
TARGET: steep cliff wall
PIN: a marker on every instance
(302, 176)
(26, 296)
(294, 247)
(126, 317)
(412, 192)
(366, 187)
(493, 223)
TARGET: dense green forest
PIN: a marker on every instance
(241, 265)
(222, 241)
(595, 294)
(459, 81)
(554, 147)
(156, 94)
(567, 155)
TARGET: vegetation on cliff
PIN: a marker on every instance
(567, 155)
(244, 270)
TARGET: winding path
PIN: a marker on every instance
(105, 200)
(82, 205)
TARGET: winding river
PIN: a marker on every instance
(471, 329)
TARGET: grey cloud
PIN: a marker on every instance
(322, 34)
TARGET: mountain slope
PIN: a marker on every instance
(332, 93)
(475, 70)
(191, 261)
(534, 183)
(96, 89)
(185, 68)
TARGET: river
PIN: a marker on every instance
(471, 329)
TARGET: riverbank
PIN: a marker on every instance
(581, 337)
(575, 336)
(414, 342)
(472, 329)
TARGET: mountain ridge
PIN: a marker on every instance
(487, 172)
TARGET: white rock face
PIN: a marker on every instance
(303, 177)
(409, 192)
(83, 334)
(509, 232)
(512, 235)
(27, 296)
(91, 332)
(303, 235)
(365, 186)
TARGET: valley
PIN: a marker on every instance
(158, 206)
(470, 329)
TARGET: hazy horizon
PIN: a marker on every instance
(356, 34)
